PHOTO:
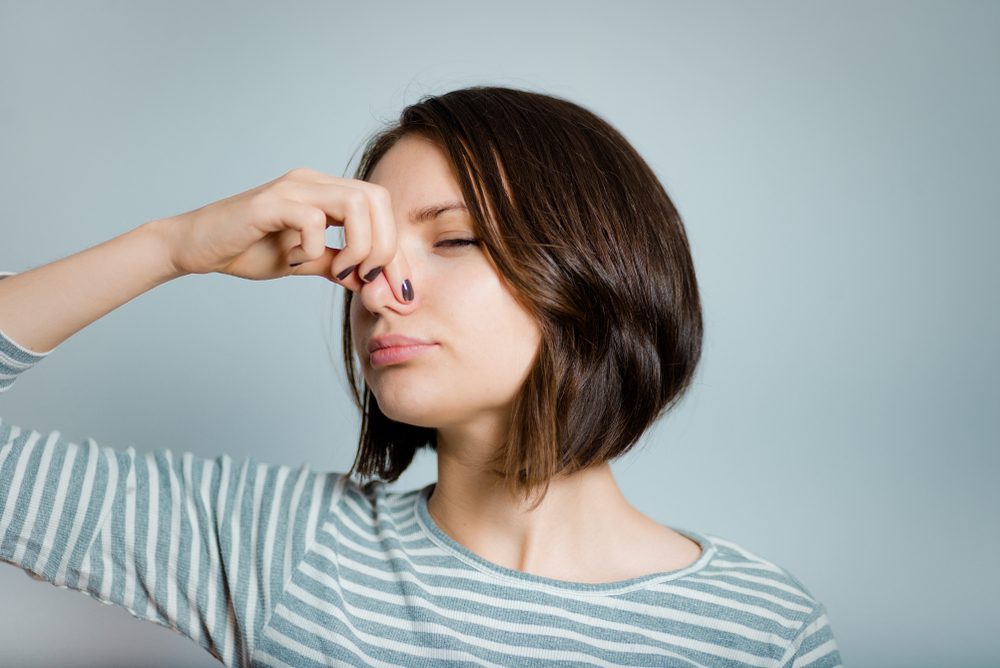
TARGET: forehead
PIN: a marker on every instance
(415, 169)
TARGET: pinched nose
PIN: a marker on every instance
(377, 296)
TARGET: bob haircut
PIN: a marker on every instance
(584, 236)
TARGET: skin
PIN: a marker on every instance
(585, 530)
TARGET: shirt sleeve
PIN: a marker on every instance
(814, 646)
(201, 546)
(15, 359)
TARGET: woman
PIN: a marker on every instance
(520, 298)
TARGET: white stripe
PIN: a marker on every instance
(272, 528)
(313, 517)
(194, 564)
(752, 566)
(253, 566)
(104, 523)
(211, 531)
(80, 515)
(272, 660)
(315, 655)
(58, 508)
(229, 619)
(152, 533)
(14, 490)
(173, 538)
(107, 565)
(300, 485)
(826, 648)
(31, 512)
(371, 639)
(679, 589)
(4, 450)
(756, 593)
(128, 593)
(759, 580)
(10, 361)
(18, 367)
(742, 551)
(239, 640)
(83, 581)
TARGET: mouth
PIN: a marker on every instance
(389, 355)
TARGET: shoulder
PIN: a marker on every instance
(757, 576)
(743, 585)
(745, 576)
(369, 499)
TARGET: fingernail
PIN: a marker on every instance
(407, 290)
(370, 276)
(294, 264)
(347, 272)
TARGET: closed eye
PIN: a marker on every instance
(451, 243)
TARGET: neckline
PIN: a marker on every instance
(456, 549)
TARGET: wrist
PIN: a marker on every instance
(165, 233)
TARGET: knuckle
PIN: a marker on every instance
(298, 172)
(316, 219)
(378, 192)
(355, 199)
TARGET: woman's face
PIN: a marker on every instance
(484, 341)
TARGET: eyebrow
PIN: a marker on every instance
(434, 210)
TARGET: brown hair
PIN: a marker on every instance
(583, 234)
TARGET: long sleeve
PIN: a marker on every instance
(814, 646)
(15, 359)
(202, 546)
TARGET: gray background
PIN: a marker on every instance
(835, 165)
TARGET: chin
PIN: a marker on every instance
(417, 408)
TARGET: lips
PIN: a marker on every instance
(398, 354)
(395, 340)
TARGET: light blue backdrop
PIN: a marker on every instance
(836, 167)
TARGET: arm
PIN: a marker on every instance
(204, 547)
(44, 306)
(254, 235)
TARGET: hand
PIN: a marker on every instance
(259, 233)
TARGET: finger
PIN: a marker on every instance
(365, 255)
(347, 206)
(310, 222)
(319, 267)
(385, 250)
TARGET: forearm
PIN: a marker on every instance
(42, 307)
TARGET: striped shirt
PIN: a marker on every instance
(269, 565)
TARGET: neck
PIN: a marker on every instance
(578, 511)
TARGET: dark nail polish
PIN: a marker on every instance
(370, 276)
(407, 290)
(347, 272)
(294, 264)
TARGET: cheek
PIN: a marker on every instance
(496, 333)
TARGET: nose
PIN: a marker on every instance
(378, 298)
